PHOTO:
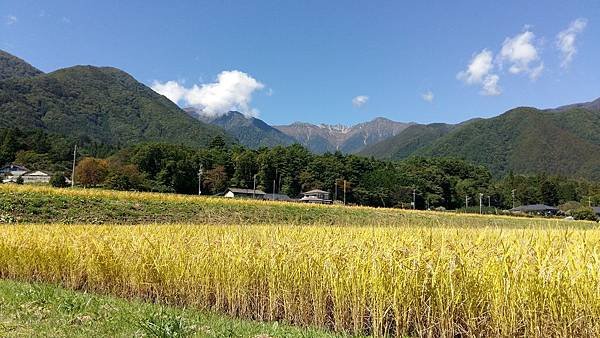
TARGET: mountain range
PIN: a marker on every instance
(347, 139)
(249, 131)
(255, 133)
(107, 105)
(563, 141)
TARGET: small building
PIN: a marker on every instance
(13, 170)
(596, 210)
(277, 197)
(536, 209)
(244, 193)
(11, 173)
(316, 196)
(29, 177)
(36, 177)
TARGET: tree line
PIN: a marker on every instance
(428, 182)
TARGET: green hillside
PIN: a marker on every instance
(562, 141)
(13, 67)
(408, 141)
(102, 104)
(528, 140)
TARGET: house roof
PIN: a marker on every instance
(534, 208)
(246, 191)
(13, 167)
(36, 173)
(315, 191)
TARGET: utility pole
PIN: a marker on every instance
(513, 197)
(200, 172)
(73, 171)
(335, 191)
(590, 201)
(344, 192)
(480, 203)
(414, 203)
(489, 202)
(466, 203)
(274, 184)
(279, 187)
(254, 186)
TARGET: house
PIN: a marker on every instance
(536, 209)
(277, 197)
(37, 176)
(316, 196)
(596, 210)
(244, 193)
(13, 170)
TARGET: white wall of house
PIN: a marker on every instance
(31, 177)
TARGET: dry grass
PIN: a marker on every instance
(411, 280)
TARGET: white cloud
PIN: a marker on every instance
(536, 72)
(428, 96)
(11, 20)
(360, 100)
(479, 67)
(520, 52)
(232, 91)
(479, 72)
(171, 89)
(490, 85)
(565, 40)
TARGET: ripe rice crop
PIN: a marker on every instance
(411, 280)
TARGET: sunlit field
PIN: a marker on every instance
(38, 204)
(410, 280)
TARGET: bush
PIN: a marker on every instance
(19, 180)
(584, 214)
(125, 177)
(91, 171)
(569, 206)
(58, 180)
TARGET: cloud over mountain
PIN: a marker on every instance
(360, 100)
(428, 96)
(521, 53)
(232, 90)
(565, 40)
(479, 72)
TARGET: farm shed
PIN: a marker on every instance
(244, 193)
(316, 196)
(538, 209)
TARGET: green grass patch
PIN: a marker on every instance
(42, 310)
(36, 204)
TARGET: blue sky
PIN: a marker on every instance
(309, 60)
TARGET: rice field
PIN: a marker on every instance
(410, 280)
